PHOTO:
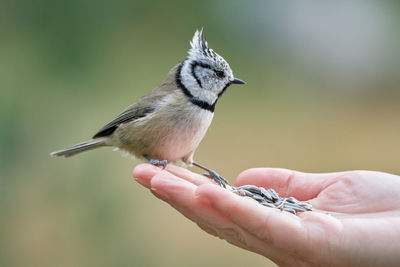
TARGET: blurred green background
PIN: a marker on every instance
(322, 95)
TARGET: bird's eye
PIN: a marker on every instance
(220, 74)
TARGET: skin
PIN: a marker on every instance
(361, 229)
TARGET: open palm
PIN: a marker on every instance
(355, 222)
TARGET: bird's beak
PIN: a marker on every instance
(237, 81)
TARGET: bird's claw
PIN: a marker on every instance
(221, 181)
(156, 162)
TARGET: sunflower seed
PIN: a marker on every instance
(242, 192)
(248, 193)
(269, 198)
(293, 211)
(305, 206)
(267, 204)
(294, 206)
(273, 193)
(252, 188)
(265, 193)
(258, 198)
(278, 202)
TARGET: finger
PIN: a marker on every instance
(181, 195)
(282, 229)
(303, 186)
(143, 173)
(189, 176)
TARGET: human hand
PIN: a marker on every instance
(361, 229)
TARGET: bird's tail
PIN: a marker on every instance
(79, 148)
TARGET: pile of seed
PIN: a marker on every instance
(271, 199)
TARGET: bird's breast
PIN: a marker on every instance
(182, 132)
(173, 132)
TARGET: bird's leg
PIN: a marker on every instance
(213, 175)
(157, 162)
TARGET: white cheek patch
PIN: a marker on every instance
(187, 78)
(193, 87)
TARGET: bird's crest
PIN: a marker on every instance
(200, 46)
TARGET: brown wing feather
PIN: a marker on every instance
(144, 106)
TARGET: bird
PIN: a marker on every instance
(168, 123)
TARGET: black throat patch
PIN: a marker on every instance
(198, 102)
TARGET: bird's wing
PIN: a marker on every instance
(144, 106)
(130, 114)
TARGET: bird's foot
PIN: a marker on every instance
(221, 181)
(213, 175)
(156, 162)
